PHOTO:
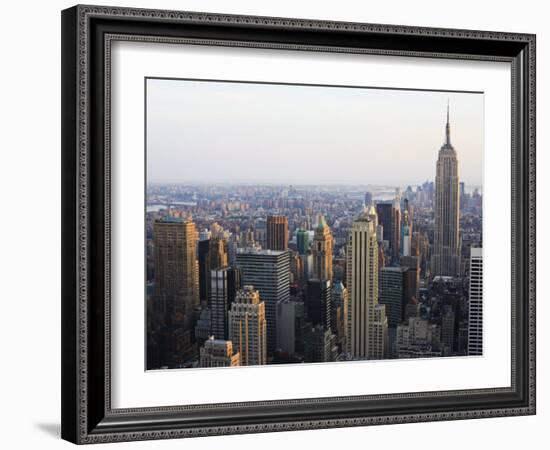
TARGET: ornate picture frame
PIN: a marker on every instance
(87, 35)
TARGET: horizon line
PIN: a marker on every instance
(287, 184)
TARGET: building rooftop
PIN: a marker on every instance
(171, 219)
(258, 251)
(211, 341)
(394, 269)
(476, 251)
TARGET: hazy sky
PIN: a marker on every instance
(220, 132)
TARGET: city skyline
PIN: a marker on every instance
(256, 274)
(252, 121)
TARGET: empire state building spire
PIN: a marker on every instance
(448, 129)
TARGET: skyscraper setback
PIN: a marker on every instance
(446, 248)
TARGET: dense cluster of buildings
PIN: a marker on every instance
(253, 275)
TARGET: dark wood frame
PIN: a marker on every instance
(87, 31)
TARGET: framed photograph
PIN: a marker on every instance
(277, 224)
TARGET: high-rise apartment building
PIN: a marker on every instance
(322, 251)
(269, 272)
(224, 284)
(218, 353)
(446, 248)
(248, 328)
(475, 306)
(362, 284)
(277, 233)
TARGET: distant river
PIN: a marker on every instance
(155, 208)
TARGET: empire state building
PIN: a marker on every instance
(446, 249)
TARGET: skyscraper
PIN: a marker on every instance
(203, 327)
(247, 327)
(318, 302)
(217, 253)
(406, 234)
(448, 318)
(412, 309)
(378, 333)
(290, 322)
(277, 233)
(446, 248)
(213, 254)
(224, 284)
(176, 287)
(322, 251)
(475, 306)
(411, 287)
(321, 345)
(176, 266)
(339, 313)
(389, 216)
(396, 231)
(260, 232)
(204, 266)
(384, 211)
(362, 284)
(392, 285)
(302, 241)
(269, 272)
